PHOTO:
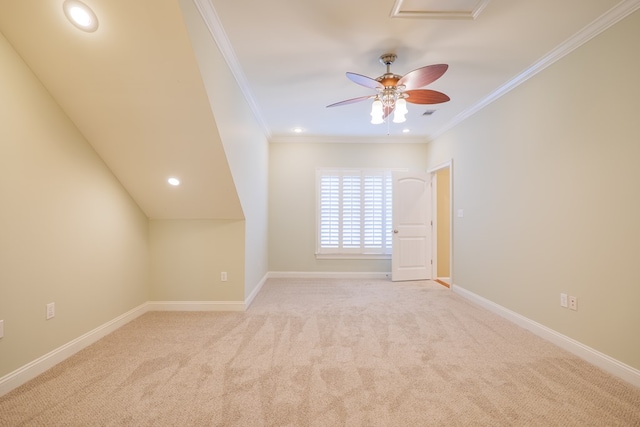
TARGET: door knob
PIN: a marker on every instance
(395, 231)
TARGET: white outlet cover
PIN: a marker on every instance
(460, 213)
(1, 328)
(573, 303)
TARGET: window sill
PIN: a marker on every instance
(353, 256)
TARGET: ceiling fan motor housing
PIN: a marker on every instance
(388, 79)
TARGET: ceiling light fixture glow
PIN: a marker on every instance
(400, 111)
(173, 181)
(377, 112)
(80, 15)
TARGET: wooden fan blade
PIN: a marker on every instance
(351, 101)
(364, 81)
(426, 96)
(423, 76)
(387, 111)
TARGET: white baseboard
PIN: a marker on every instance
(33, 369)
(601, 360)
(328, 275)
(248, 300)
(36, 367)
(40, 365)
(196, 305)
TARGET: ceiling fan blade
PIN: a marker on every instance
(423, 76)
(351, 101)
(364, 81)
(426, 96)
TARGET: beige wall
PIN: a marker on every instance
(548, 178)
(244, 141)
(187, 257)
(443, 221)
(69, 233)
(292, 198)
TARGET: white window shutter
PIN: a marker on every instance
(354, 212)
(329, 211)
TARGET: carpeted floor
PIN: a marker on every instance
(326, 353)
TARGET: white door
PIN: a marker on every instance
(411, 259)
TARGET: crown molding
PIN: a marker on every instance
(607, 20)
(211, 20)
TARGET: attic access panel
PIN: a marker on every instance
(438, 9)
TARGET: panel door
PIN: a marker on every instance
(411, 259)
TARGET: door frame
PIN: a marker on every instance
(434, 216)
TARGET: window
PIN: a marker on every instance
(354, 213)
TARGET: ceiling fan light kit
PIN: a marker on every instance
(400, 111)
(377, 112)
(394, 91)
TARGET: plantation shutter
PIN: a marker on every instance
(329, 211)
(354, 211)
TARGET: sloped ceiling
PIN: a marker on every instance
(134, 89)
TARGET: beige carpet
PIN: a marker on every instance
(326, 353)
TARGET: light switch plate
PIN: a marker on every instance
(564, 301)
(1, 328)
(51, 310)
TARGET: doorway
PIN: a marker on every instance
(442, 202)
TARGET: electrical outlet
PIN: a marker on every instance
(223, 276)
(573, 302)
(564, 301)
(51, 310)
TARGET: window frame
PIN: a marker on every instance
(362, 251)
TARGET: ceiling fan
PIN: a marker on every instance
(394, 91)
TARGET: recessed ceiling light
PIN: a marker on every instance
(80, 15)
(406, 130)
(173, 181)
(298, 130)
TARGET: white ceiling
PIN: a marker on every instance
(294, 55)
(134, 90)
